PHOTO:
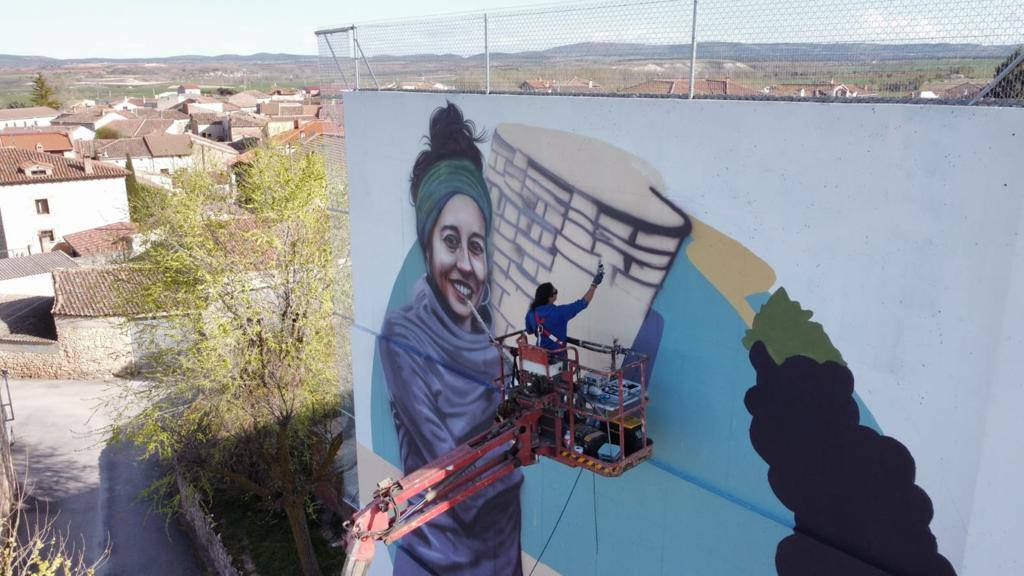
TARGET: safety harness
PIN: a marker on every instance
(541, 330)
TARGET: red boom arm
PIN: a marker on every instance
(438, 486)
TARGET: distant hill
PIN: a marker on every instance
(740, 51)
(14, 61)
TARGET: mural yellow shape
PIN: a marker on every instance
(730, 267)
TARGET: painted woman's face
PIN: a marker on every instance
(458, 257)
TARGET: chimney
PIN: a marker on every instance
(88, 166)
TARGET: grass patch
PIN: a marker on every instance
(247, 528)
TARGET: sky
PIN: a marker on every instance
(147, 28)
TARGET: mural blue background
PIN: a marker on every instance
(704, 496)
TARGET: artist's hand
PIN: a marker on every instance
(599, 277)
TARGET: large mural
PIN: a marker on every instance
(767, 458)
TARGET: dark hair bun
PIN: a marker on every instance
(451, 136)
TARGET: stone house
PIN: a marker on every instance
(90, 336)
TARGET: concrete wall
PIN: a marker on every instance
(74, 206)
(85, 348)
(907, 254)
(35, 285)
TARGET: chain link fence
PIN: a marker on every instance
(908, 50)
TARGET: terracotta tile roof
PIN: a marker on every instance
(114, 149)
(64, 169)
(91, 291)
(820, 89)
(702, 86)
(160, 114)
(282, 108)
(109, 239)
(166, 145)
(962, 90)
(12, 131)
(207, 143)
(205, 117)
(28, 113)
(245, 120)
(136, 128)
(43, 141)
(33, 264)
(248, 99)
(308, 131)
(89, 116)
(202, 100)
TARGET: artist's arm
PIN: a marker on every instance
(598, 278)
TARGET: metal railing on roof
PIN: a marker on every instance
(920, 51)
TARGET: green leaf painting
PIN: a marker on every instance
(786, 330)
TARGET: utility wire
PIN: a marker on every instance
(555, 527)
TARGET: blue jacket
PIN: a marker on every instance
(555, 319)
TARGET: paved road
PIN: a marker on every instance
(94, 488)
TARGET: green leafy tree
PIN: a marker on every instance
(1013, 85)
(43, 93)
(135, 193)
(107, 133)
(786, 330)
(16, 104)
(240, 382)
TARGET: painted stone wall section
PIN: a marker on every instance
(201, 528)
(589, 203)
(85, 348)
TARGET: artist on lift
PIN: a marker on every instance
(550, 321)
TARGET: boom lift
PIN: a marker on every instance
(553, 407)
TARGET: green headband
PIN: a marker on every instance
(442, 181)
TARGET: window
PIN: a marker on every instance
(165, 171)
(42, 206)
(45, 240)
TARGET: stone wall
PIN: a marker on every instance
(85, 348)
(201, 527)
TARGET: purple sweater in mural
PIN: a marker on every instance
(439, 380)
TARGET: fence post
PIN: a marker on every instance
(487, 57)
(355, 59)
(693, 50)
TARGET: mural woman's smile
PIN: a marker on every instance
(458, 258)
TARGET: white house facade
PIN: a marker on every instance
(43, 197)
(36, 116)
